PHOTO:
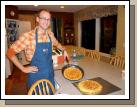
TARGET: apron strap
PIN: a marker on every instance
(49, 38)
(36, 32)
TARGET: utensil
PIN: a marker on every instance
(67, 60)
(73, 66)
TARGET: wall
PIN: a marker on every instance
(9, 9)
(120, 43)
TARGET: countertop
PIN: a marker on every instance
(91, 70)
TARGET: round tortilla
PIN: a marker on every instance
(73, 73)
(90, 87)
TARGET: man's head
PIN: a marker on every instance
(43, 19)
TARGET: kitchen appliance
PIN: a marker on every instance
(12, 30)
(72, 66)
(24, 26)
(57, 57)
(8, 64)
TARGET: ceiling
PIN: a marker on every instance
(53, 8)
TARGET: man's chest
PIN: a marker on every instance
(40, 38)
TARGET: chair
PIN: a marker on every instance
(81, 50)
(95, 55)
(70, 48)
(42, 87)
(118, 61)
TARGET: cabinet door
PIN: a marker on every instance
(28, 18)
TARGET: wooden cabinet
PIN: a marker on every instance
(28, 17)
(11, 12)
(68, 27)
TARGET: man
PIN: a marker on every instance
(38, 48)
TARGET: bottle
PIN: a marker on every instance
(74, 55)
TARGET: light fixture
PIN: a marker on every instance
(35, 5)
(61, 7)
(12, 13)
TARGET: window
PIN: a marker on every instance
(56, 24)
(88, 34)
(108, 34)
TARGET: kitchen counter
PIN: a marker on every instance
(91, 70)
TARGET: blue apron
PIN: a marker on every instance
(43, 60)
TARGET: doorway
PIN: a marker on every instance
(56, 24)
(108, 34)
(88, 34)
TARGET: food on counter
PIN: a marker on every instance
(90, 87)
(73, 73)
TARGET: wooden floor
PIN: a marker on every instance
(16, 83)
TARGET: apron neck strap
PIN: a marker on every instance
(36, 32)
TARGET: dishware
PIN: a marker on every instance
(72, 66)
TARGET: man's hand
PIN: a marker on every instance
(30, 69)
(66, 56)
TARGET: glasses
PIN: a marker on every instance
(44, 19)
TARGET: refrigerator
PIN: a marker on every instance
(8, 64)
(14, 28)
(11, 33)
(24, 26)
